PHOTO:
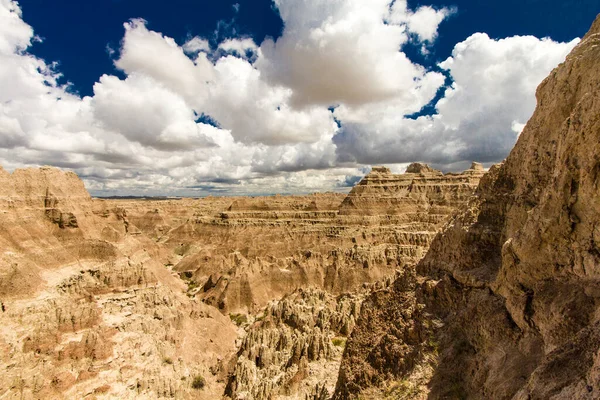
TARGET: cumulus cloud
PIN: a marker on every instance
(241, 47)
(423, 22)
(195, 45)
(342, 51)
(271, 103)
(231, 91)
(480, 116)
(152, 54)
(256, 112)
(15, 34)
(146, 112)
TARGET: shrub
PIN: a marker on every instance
(238, 319)
(198, 382)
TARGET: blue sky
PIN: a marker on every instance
(295, 106)
(77, 33)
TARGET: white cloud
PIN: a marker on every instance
(231, 91)
(493, 92)
(195, 45)
(494, 88)
(423, 22)
(141, 134)
(256, 112)
(157, 56)
(239, 46)
(146, 112)
(15, 35)
(341, 51)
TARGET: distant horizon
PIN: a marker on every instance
(270, 96)
(159, 196)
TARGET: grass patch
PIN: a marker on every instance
(239, 319)
(403, 390)
(198, 382)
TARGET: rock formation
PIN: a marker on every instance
(264, 248)
(421, 192)
(294, 346)
(272, 247)
(196, 298)
(506, 303)
(89, 310)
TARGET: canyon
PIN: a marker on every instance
(254, 297)
(479, 284)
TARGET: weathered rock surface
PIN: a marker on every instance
(506, 303)
(89, 310)
(422, 191)
(125, 298)
(293, 349)
(262, 249)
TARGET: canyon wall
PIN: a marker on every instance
(506, 303)
(323, 254)
(199, 298)
(264, 248)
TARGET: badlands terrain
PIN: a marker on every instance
(506, 303)
(415, 285)
(254, 297)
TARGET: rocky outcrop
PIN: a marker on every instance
(260, 249)
(115, 297)
(506, 303)
(256, 250)
(88, 309)
(56, 215)
(293, 348)
(421, 191)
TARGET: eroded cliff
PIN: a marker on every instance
(199, 298)
(264, 248)
(506, 302)
(88, 309)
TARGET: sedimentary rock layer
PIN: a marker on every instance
(506, 303)
(125, 298)
(264, 248)
(88, 309)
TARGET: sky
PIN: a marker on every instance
(195, 98)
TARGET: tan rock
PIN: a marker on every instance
(506, 303)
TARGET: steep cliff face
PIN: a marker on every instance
(421, 190)
(262, 249)
(506, 303)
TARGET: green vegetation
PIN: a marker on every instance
(187, 278)
(239, 319)
(198, 382)
(339, 342)
(403, 390)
